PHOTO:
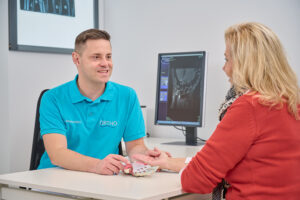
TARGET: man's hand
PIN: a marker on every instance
(154, 158)
(110, 165)
(155, 153)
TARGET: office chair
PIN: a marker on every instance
(37, 144)
(38, 147)
(218, 192)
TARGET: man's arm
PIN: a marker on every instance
(60, 155)
(136, 147)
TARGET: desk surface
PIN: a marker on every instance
(157, 186)
(175, 150)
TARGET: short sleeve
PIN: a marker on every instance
(135, 126)
(50, 118)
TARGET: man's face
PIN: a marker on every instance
(94, 62)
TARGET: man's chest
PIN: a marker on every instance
(93, 117)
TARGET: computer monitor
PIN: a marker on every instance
(180, 92)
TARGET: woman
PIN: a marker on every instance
(256, 146)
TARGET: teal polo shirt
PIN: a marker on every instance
(92, 128)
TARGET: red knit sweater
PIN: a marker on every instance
(255, 148)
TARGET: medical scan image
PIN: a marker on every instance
(184, 92)
(59, 7)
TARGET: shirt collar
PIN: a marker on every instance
(77, 97)
(108, 92)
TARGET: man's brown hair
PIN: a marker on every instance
(90, 34)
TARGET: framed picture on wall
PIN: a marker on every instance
(49, 25)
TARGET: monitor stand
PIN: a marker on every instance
(190, 138)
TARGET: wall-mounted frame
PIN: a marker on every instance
(49, 25)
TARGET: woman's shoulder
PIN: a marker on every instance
(245, 99)
(246, 102)
(253, 101)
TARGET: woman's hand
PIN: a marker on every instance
(154, 158)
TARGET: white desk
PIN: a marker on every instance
(175, 150)
(87, 185)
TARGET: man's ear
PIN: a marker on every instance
(75, 58)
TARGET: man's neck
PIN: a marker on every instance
(90, 90)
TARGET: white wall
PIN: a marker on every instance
(4, 114)
(29, 74)
(141, 29)
(23, 76)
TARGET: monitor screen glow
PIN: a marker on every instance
(180, 92)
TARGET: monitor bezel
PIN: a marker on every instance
(167, 123)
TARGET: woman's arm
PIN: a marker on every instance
(164, 161)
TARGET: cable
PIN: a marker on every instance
(181, 129)
(184, 133)
(200, 139)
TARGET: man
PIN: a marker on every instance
(83, 121)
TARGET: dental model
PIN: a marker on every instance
(139, 169)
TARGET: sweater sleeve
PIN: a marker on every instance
(228, 144)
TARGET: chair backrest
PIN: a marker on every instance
(120, 149)
(37, 144)
(38, 147)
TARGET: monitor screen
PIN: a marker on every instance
(181, 89)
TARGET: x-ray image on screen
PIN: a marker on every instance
(180, 93)
(59, 7)
(184, 93)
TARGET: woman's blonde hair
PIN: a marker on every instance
(260, 65)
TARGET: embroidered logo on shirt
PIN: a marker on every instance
(108, 123)
(73, 122)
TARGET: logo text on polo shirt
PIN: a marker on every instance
(108, 123)
(73, 122)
